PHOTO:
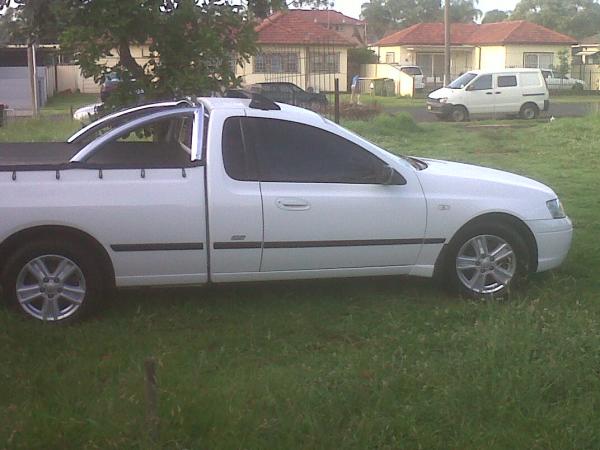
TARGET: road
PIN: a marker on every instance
(557, 110)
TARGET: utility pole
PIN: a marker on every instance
(447, 43)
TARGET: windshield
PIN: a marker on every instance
(412, 70)
(462, 81)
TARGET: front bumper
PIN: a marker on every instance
(553, 238)
(436, 107)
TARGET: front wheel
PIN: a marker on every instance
(459, 114)
(486, 260)
(52, 281)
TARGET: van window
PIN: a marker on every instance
(482, 83)
(530, 79)
(507, 81)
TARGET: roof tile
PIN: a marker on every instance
(296, 27)
(510, 32)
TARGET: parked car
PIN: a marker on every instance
(263, 191)
(110, 84)
(416, 73)
(556, 81)
(88, 113)
(492, 93)
(289, 93)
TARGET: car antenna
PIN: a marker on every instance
(261, 102)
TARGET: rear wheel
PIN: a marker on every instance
(529, 111)
(486, 260)
(52, 281)
(459, 114)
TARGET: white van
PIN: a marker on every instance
(492, 93)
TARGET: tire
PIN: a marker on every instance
(459, 114)
(487, 270)
(529, 111)
(52, 281)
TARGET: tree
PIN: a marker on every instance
(495, 15)
(578, 18)
(28, 21)
(194, 46)
(384, 16)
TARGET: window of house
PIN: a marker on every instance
(507, 81)
(482, 83)
(280, 62)
(432, 65)
(538, 60)
(297, 153)
(390, 57)
(323, 62)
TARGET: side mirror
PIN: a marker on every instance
(385, 175)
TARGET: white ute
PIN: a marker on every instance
(230, 190)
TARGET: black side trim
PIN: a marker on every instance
(533, 95)
(157, 247)
(236, 245)
(315, 244)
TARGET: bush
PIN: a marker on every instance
(352, 111)
(394, 124)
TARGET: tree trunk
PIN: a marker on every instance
(128, 61)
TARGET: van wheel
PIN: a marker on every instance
(459, 114)
(51, 281)
(529, 111)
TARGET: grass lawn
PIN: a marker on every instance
(62, 103)
(353, 364)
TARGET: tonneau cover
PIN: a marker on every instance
(15, 155)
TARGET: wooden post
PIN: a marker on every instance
(151, 398)
(336, 104)
(447, 38)
(31, 63)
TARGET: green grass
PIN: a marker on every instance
(386, 102)
(62, 103)
(375, 363)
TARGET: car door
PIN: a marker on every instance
(507, 93)
(479, 96)
(323, 207)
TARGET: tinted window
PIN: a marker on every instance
(239, 164)
(482, 83)
(507, 81)
(293, 152)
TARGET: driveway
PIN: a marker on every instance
(557, 110)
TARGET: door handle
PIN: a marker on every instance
(488, 93)
(497, 92)
(292, 204)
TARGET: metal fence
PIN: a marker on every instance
(300, 75)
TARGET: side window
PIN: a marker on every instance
(482, 83)
(239, 164)
(507, 81)
(298, 153)
(162, 143)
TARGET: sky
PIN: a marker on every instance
(352, 7)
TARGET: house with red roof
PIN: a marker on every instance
(473, 46)
(306, 47)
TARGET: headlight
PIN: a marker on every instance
(556, 209)
(444, 100)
